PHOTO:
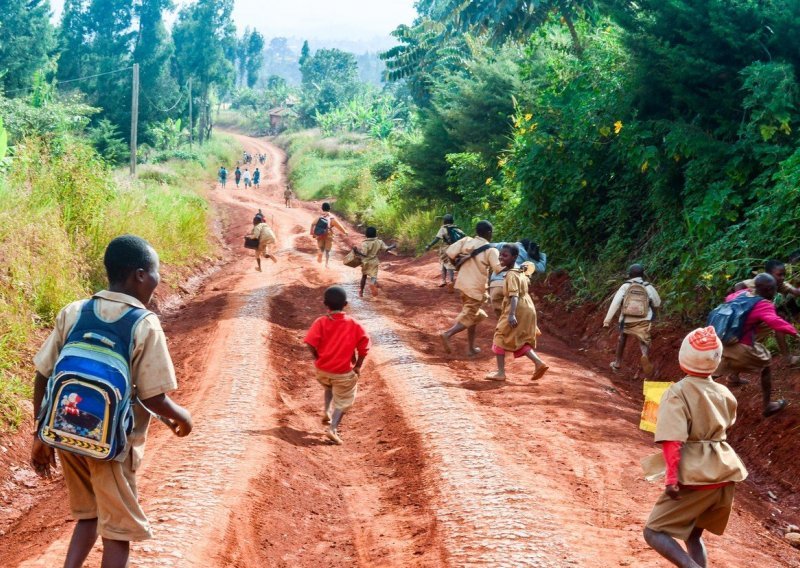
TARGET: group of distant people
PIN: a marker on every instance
(249, 179)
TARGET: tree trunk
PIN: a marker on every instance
(576, 42)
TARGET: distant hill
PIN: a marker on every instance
(282, 54)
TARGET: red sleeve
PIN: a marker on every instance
(672, 457)
(314, 334)
(765, 311)
(363, 345)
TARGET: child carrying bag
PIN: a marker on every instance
(250, 243)
(352, 260)
(87, 407)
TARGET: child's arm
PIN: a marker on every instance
(672, 459)
(165, 407)
(358, 252)
(335, 223)
(359, 362)
(432, 243)
(43, 458)
(313, 351)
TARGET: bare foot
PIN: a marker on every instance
(258, 268)
(539, 372)
(498, 376)
(473, 351)
(445, 342)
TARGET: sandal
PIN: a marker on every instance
(539, 373)
(774, 408)
(495, 377)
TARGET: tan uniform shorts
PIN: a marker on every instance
(344, 388)
(471, 311)
(105, 490)
(640, 330)
(325, 243)
(741, 358)
(707, 509)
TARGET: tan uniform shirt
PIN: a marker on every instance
(474, 273)
(152, 371)
(698, 412)
(263, 233)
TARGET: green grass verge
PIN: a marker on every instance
(60, 205)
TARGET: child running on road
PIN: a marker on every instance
(475, 257)
(102, 494)
(336, 341)
(256, 178)
(265, 236)
(237, 176)
(701, 467)
(639, 301)
(247, 179)
(448, 234)
(288, 195)
(370, 249)
(323, 230)
(516, 329)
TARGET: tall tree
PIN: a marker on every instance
(203, 35)
(26, 39)
(330, 78)
(255, 57)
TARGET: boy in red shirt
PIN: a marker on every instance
(339, 346)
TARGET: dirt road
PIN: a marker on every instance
(440, 468)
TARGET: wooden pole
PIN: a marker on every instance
(134, 116)
(191, 125)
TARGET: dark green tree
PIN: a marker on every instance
(203, 35)
(26, 40)
(330, 79)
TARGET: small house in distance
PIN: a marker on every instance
(279, 118)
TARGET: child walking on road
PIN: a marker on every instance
(237, 176)
(102, 494)
(638, 301)
(336, 341)
(257, 178)
(288, 195)
(370, 264)
(701, 467)
(223, 176)
(265, 236)
(516, 327)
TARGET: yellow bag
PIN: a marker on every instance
(653, 391)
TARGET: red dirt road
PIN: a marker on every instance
(440, 468)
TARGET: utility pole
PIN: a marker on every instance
(191, 125)
(134, 116)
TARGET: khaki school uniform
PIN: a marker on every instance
(639, 327)
(370, 263)
(473, 277)
(107, 490)
(265, 237)
(698, 412)
(344, 387)
(515, 285)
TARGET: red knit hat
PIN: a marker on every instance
(701, 352)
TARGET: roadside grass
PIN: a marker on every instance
(59, 208)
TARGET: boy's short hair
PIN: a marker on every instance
(636, 271)
(448, 219)
(772, 264)
(512, 248)
(335, 298)
(326, 206)
(484, 227)
(125, 255)
(372, 232)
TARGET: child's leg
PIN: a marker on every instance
(501, 367)
(535, 358)
(363, 283)
(452, 274)
(647, 366)
(115, 553)
(373, 285)
(770, 408)
(327, 257)
(336, 418)
(471, 332)
(623, 339)
(258, 263)
(669, 548)
(326, 412)
(83, 538)
(697, 548)
(444, 276)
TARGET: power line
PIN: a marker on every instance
(59, 83)
(165, 111)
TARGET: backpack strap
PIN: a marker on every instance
(89, 324)
(474, 253)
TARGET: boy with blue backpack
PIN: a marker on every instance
(741, 322)
(102, 372)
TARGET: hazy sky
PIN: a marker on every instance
(322, 19)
